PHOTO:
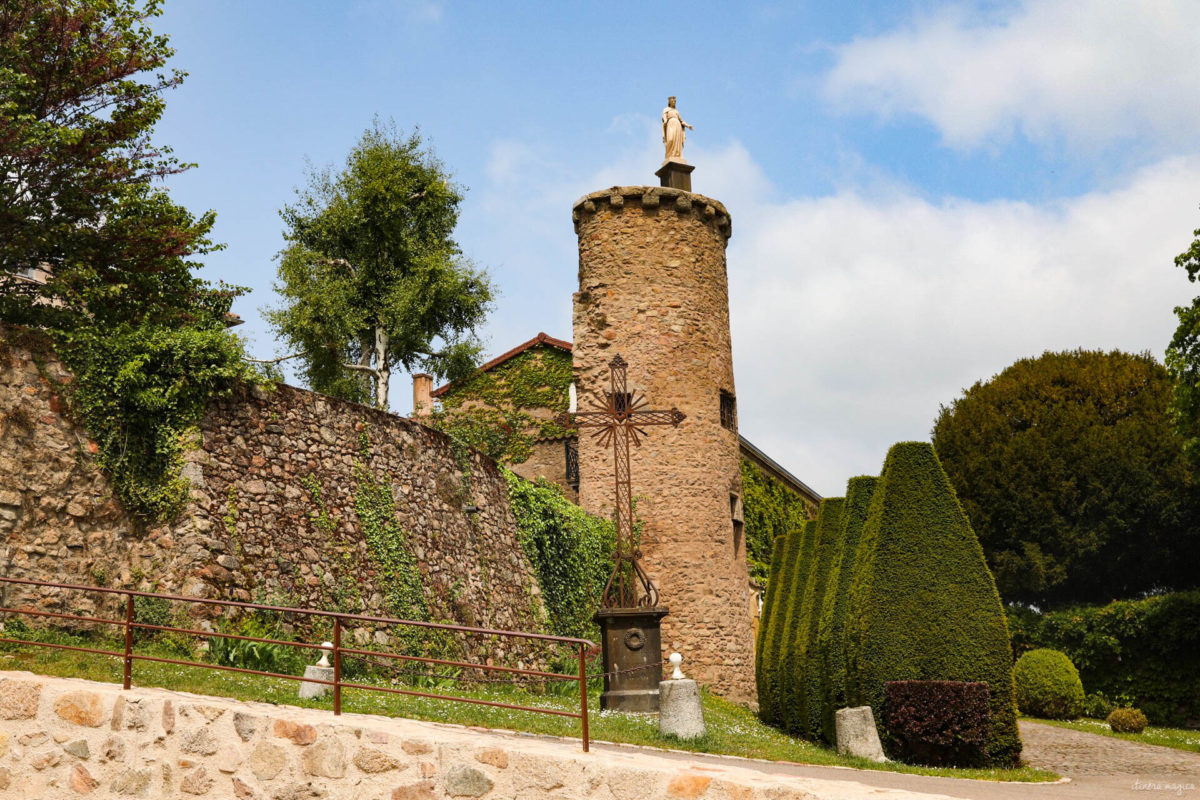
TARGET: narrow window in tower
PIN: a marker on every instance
(739, 527)
(571, 452)
(728, 410)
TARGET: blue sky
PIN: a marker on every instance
(921, 192)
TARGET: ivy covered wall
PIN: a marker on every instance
(502, 411)
(770, 509)
(293, 498)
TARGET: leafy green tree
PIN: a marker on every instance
(1183, 359)
(145, 338)
(77, 105)
(1074, 479)
(371, 277)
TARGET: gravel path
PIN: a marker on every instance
(1100, 768)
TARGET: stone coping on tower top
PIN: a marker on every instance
(711, 211)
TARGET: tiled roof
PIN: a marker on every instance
(540, 339)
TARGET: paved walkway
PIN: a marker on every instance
(1100, 768)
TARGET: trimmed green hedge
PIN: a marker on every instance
(1143, 652)
(830, 539)
(775, 620)
(924, 605)
(788, 684)
(769, 599)
(1048, 685)
(831, 637)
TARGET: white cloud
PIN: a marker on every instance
(1088, 73)
(857, 314)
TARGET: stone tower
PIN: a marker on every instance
(653, 288)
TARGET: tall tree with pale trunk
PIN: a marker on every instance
(372, 278)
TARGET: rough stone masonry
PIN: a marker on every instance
(63, 738)
(271, 515)
(653, 288)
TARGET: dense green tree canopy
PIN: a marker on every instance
(1183, 359)
(144, 337)
(371, 277)
(1074, 478)
(77, 200)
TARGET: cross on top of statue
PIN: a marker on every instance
(619, 419)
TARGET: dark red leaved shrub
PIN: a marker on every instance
(937, 723)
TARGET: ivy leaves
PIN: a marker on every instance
(569, 549)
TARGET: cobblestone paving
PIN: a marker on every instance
(1074, 753)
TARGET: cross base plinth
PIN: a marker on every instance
(631, 649)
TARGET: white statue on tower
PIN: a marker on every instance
(673, 134)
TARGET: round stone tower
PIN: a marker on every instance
(653, 289)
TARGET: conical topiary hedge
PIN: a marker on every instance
(923, 604)
(784, 687)
(831, 636)
(773, 627)
(830, 533)
(764, 619)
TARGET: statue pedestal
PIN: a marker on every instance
(676, 175)
(631, 648)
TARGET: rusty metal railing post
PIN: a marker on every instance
(337, 665)
(128, 641)
(583, 690)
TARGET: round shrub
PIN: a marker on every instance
(1048, 685)
(1097, 706)
(1126, 720)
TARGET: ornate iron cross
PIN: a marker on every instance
(619, 420)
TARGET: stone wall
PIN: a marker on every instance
(63, 738)
(272, 512)
(653, 289)
(548, 460)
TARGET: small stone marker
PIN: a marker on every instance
(679, 710)
(320, 671)
(856, 734)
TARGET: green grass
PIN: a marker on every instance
(732, 729)
(1176, 738)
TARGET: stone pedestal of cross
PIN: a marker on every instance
(629, 615)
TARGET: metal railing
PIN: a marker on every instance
(582, 646)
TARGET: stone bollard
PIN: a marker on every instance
(856, 734)
(320, 671)
(680, 712)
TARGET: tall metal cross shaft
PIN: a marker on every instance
(619, 420)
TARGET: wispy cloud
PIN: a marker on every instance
(1088, 73)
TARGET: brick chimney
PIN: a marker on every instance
(422, 399)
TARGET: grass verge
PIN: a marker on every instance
(1175, 738)
(732, 729)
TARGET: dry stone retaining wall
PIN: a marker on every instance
(63, 738)
(271, 515)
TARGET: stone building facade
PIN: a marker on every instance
(272, 514)
(653, 289)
